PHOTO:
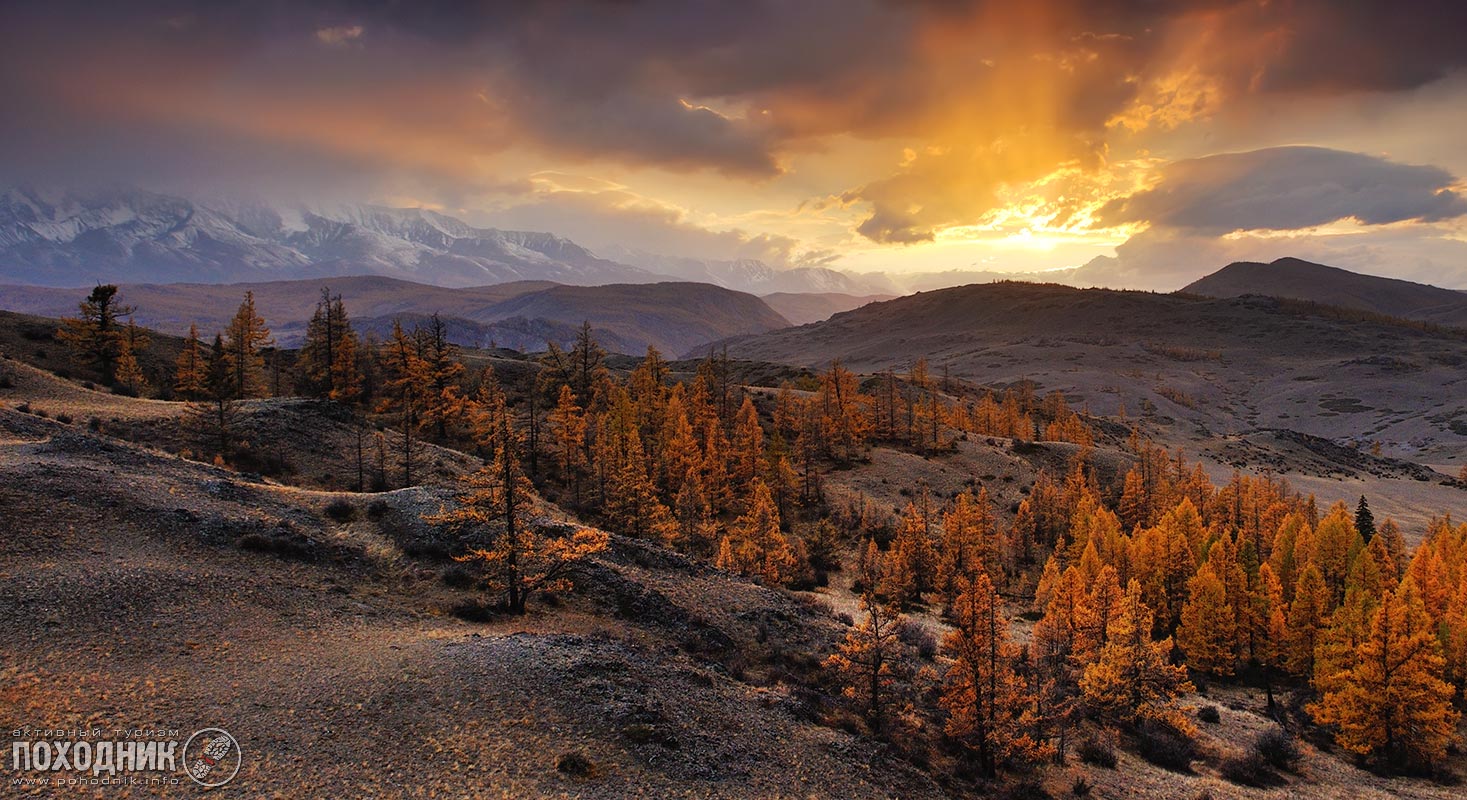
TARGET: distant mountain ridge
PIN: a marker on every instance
(674, 317)
(129, 235)
(1297, 279)
(134, 236)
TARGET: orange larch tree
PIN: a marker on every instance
(1308, 616)
(568, 430)
(755, 546)
(1133, 678)
(988, 706)
(517, 559)
(1392, 703)
(871, 662)
(1208, 631)
(845, 414)
(191, 370)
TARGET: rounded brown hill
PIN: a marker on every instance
(1203, 366)
(1302, 280)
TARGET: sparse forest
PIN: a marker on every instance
(1088, 611)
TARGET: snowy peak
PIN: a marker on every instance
(123, 234)
(131, 235)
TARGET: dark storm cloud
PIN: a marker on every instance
(734, 86)
(1288, 188)
(1347, 45)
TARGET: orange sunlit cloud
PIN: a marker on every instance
(874, 131)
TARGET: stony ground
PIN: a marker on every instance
(130, 597)
(142, 589)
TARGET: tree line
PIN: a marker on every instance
(1140, 589)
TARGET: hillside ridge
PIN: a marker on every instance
(1297, 279)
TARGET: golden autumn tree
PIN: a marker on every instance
(1021, 542)
(1391, 702)
(988, 705)
(487, 412)
(789, 411)
(444, 400)
(697, 530)
(95, 336)
(584, 365)
(968, 542)
(1133, 678)
(1395, 544)
(1340, 642)
(1134, 508)
(404, 392)
(214, 413)
(1366, 587)
(1103, 603)
(1226, 557)
(1062, 646)
(1164, 560)
(568, 430)
(631, 501)
(1335, 540)
(871, 662)
(845, 418)
(517, 559)
(129, 372)
(1268, 627)
(1209, 624)
(649, 395)
(244, 339)
(1433, 565)
(911, 563)
(1282, 558)
(714, 469)
(755, 546)
(191, 369)
(681, 455)
(783, 479)
(746, 446)
(1308, 616)
(1452, 631)
(328, 356)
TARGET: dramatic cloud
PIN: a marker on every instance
(906, 120)
(729, 86)
(1345, 209)
(607, 216)
(1288, 188)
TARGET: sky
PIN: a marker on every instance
(1144, 143)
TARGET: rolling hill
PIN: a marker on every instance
(805, 307)
(674, 317)
(1303, 280)
(1199, 368)
(522, 315)
(285, 305)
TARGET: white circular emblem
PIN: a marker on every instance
(215, 760)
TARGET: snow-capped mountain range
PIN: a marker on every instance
(70, 238)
